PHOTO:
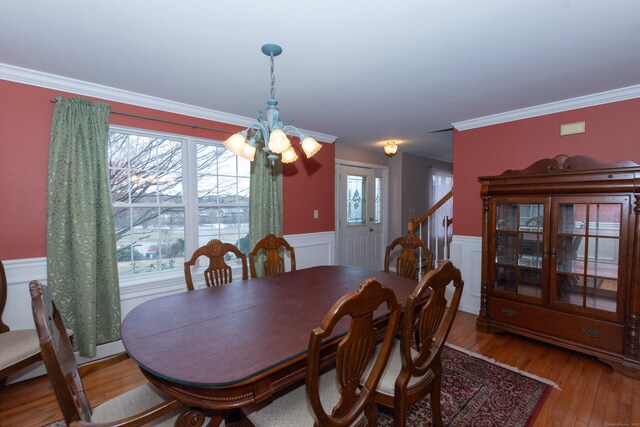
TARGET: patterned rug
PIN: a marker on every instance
(477, 391)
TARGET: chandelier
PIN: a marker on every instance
(271, 130)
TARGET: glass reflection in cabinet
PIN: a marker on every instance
(518, 246)
(507, 216)
(505, 278)
(505, 247)
(587, 254)
(530, 282)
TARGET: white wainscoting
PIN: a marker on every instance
(312, 249)
(466, 254)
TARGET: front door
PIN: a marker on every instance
(360, 217)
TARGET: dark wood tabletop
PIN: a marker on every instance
(235, 344)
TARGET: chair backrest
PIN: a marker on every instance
(218, 272)
(409, 259)
(3, 297)
(273, 263)
(431, 327)
(354, 352)
(58, 356)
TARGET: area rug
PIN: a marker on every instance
(477, 391)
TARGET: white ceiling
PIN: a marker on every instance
(362, 70)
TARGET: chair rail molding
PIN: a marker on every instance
(312, 249)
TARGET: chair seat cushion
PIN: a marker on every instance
(293, 409)
(16, 346)
(133, 402)
(392, 370)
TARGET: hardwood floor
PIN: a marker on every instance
(590, 394)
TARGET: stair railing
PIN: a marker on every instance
(428, 218)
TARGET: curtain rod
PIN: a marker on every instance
(164, 121)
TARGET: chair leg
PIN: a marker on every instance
(371, 413)
(400, 410)
(435, 400)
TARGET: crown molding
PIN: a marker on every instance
(66, 84)
(615, 95)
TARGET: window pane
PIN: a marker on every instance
(148, 185)
(505, 278)
(208, 189)
(206, 155)
(531, 217)
(505, 247)
(356, 190)
(572, 218)
(146, 173)
(530, 282)
(530, 250)
(170, 188)
(506, 216)
(604, 219)
(223, 197)
(227, 164)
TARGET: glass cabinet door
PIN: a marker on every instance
(519, 233)
(586, 252)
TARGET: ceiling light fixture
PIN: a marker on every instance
(390, 148)
(271, 130)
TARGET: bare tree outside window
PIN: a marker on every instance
(147, 187)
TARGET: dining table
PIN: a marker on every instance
(229, 346)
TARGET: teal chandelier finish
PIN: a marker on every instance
(270, 129)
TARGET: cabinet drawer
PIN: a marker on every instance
(596, 333)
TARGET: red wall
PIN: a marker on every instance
(308, 186)
(612, 135)
(25, 126)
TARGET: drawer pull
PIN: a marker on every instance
(594, 333)
(509, 312)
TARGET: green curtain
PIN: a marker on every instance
(82, 271)
(265, 201)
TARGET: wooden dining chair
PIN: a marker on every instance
(409, 258)
(273, 263)
(142, 405)
(219, 272)
(338, 389)
(411, 373)
(18, 348)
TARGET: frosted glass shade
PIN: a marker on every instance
(390, 148)
(235, 143)
(248, 152)
(278, 141)
(289, 155)
(310, 146)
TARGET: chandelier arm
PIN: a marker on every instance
(291, 128)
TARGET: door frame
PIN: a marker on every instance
(385, 200)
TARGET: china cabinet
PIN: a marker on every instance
(560, 254)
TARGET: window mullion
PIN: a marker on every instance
(190, 195)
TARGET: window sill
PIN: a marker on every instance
(150, 285)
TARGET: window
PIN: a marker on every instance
(378, 204)
(356, 208)
(172, 194)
